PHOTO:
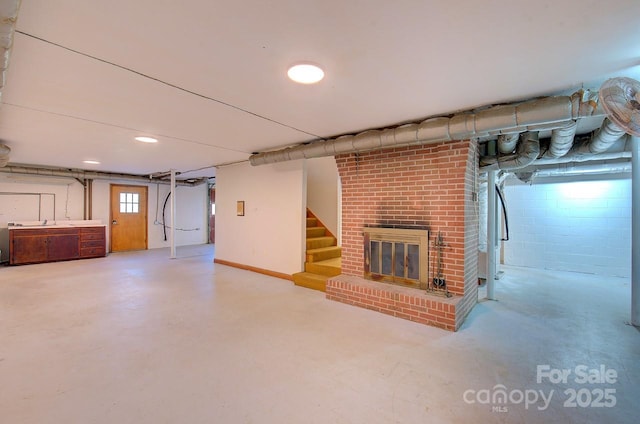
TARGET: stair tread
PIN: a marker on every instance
(312, 275)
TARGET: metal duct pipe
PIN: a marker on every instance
(561, 140)
(604, 137)
(81, 175)
(507, 142)
(527, 152)
(8, 16)
(581, 168)
(619, 149)
(548, 113)
(4, 155)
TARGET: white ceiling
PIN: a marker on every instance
(208, 78)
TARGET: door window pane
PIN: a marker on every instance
(129, 202)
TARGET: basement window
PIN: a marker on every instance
(129, 202)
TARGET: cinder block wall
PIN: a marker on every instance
(570, 226)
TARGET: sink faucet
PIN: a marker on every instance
(45, 222)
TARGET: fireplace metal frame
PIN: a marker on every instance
(397, 236)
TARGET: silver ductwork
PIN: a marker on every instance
(619, 149)
(8, 17)
(527, 152)
(92, 175)
(562, 140)
(596, 167)
(604, 137)
(545, 113)
(507, 142)
(4, 155)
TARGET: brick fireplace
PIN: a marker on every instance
(431, 188)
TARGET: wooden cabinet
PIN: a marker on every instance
(27, 246)
(92, 242)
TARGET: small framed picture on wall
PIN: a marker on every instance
(240, 208)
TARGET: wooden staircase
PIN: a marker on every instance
(323, 256)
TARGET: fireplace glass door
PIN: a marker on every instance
(396, 257)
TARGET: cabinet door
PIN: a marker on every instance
(62, 247)
(27, 249)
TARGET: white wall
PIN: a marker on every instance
(322, 191)
(66, 194)
(270, 235)
(191, 210)
(574, 226)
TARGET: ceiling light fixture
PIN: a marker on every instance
(147, 139)
(91, 162)
(305, 73)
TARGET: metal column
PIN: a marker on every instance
(491, 235)
(173, 214)
(635, 231)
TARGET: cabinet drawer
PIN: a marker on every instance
(90, 252)
(91, 243)
(88, 230)
(91, 236)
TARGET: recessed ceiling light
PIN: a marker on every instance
(91, 162)
(147, 139)
(305, 73)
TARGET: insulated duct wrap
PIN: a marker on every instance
(562, 140)
(527, 152)
(8, 17)
(91, 175)
(4, 155)
(605, 136)
(507, 142)
(534, 115)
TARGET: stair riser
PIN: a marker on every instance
(312, 222)
(315, 232)
(320, 242)
(327, 254)
(329, 271)
(310, 282)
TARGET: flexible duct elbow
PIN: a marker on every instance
(562, 140)
(4, 155)
(604, 137)
(507, 142)
(527, 152)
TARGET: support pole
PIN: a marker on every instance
(173, 214)
(635, 231)
(491, 235)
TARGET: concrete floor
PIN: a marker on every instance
(139, 338)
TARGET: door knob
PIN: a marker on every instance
(114, 222)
